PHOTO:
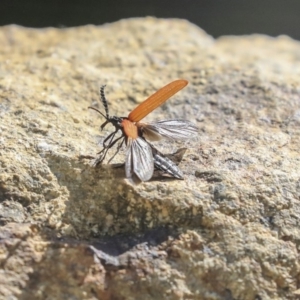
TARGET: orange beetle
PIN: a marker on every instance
(141, 156)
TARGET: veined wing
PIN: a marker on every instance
(166, 165)
(169, 129)
(139, 159)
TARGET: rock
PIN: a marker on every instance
(230, 230)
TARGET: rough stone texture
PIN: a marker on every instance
(69, 231)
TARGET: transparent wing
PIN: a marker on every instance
(169, 129)
(139, 159)
(128, 160)
(167, 165)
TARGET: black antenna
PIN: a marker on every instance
(97, 110)
(104, 101)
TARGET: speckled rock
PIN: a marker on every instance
(230, 230)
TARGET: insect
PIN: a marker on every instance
(141, 156)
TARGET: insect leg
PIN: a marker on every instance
(118, 148)
(110, 138)
(103, 152)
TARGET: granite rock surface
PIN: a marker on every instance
(230, 230)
